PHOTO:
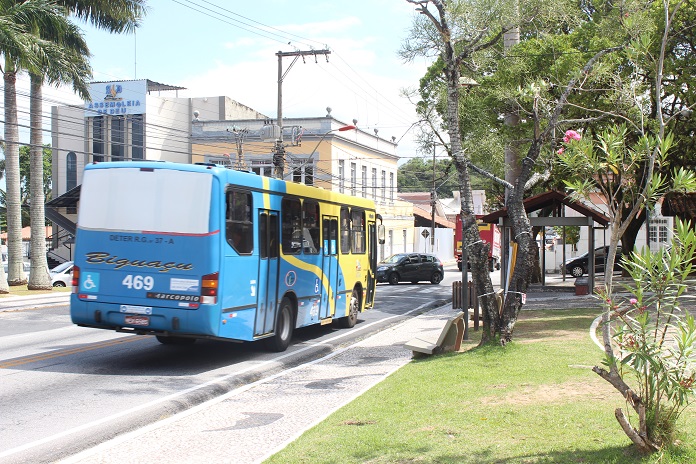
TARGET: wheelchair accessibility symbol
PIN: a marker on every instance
(90, 282)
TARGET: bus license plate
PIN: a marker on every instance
(137, 320)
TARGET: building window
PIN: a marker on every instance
(262, 169)
(659, 231)
(71, 176)
(364, 181)
(341, 175)
(309, 174)
(353, 178)
(98, 137)
(70, 171)
(303, 174)
(384, 185)
(118, 138)
(374, 184)
(391, 186)
(137, 136)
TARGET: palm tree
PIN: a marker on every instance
(21, 50)
(113, 15)
(66, 61)
(116, 16)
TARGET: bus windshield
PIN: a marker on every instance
(142, 199)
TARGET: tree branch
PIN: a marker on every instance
(488, 175)
(536, 178)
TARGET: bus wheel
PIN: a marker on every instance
(349, 321)
(175, 340)
(283, 328)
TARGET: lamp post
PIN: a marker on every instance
(338, 129)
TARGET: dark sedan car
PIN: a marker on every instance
(578, 266)
(410, 267)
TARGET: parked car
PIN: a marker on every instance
(61, 275)
(27, 266)
(410, 267)
(578, 266)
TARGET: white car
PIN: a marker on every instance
(61, 275)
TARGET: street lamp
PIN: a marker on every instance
(339, 129)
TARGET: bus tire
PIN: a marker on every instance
(349, 321)
(283, 328)
(166, 340)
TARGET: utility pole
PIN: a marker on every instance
(433, 199)
(279, 149)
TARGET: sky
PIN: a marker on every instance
(228, 48)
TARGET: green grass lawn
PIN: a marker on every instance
(534, 401)
(21, 290)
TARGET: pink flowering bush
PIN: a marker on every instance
(653, 338)
(571, 135)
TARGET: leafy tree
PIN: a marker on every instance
(416, 175)
(25, 181)
(467, 40)
(572, 235)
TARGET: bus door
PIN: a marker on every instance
(329, 264)
(372, 259)
(268, 272)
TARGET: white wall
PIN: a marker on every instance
(444, 243)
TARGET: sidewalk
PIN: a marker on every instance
(249, 424)
(16, 303)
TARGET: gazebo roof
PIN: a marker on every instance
(551, 199)
(682, 205)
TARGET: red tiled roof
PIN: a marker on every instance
(26, 233)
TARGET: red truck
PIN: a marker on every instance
(490, 233)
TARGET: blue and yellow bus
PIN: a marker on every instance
(185, 251)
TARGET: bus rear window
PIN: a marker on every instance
(131, 199)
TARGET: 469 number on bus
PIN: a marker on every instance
(138, 282)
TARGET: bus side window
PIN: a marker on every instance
(310, 229)
(291, 226)
(239, 227)
(358, 231)
(345, 230)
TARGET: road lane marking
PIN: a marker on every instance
(59, 353)
(178, 394)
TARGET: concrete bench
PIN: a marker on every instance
(448, 338)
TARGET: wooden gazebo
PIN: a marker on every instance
(555, 201)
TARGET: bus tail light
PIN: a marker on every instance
(75, 279)
(209, 288)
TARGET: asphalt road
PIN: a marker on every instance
(67, 388)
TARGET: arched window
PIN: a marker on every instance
(70, 171)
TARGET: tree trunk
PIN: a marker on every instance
(39, 278)
(15, 272)
(476, 252)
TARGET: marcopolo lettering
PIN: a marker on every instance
(99, 257)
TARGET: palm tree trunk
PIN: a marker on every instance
(39, 278)
(15, 272)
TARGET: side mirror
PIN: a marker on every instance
(380, 234)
